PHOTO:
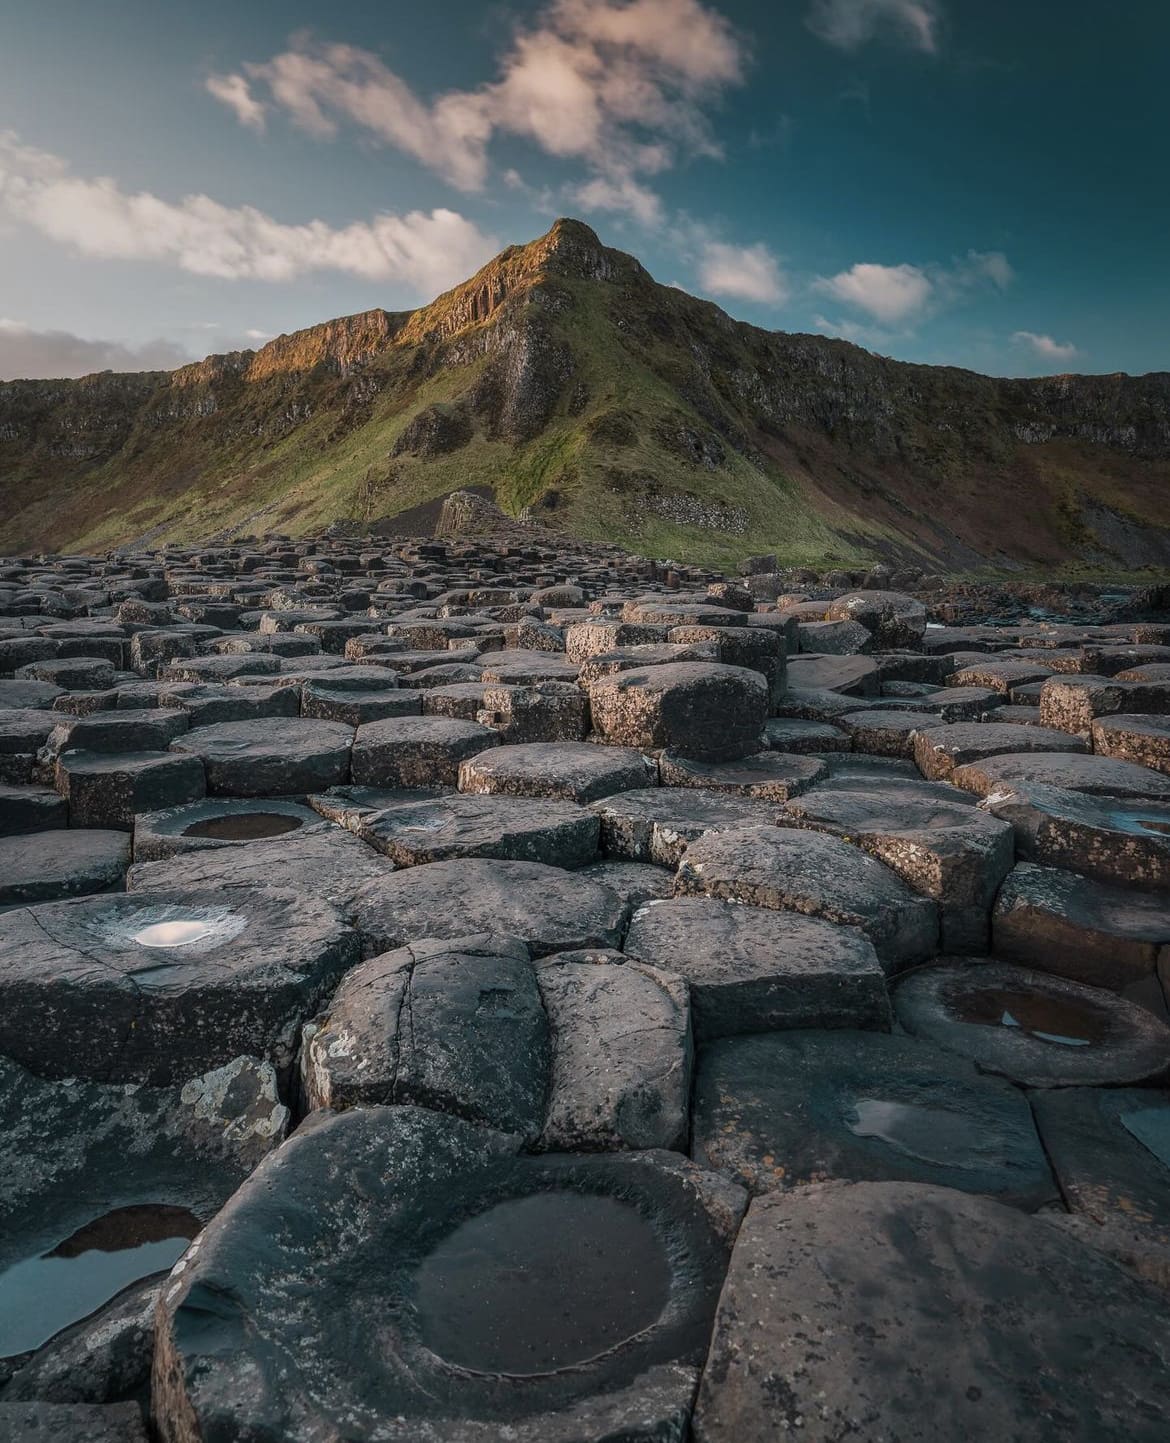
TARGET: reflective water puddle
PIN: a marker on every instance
(927, 1134)
(178, 933)
(1048, 1019)
(39, 1296)
(541, 1283)
(243, 826)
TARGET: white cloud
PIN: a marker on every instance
(1045, 346)
(893, 294)
(749, 273)
(852, 23)
(901, 295)
(25, 352)
(425, 251)
(620, 86)
(234, 92)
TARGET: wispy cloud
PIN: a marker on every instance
(746, 273)
(233, 91)
(26, 352)
(849, 24)
(1045, 347)
(620, 86)
(426, 251)
(901, 295)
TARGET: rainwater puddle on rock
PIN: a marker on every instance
(928, 1134)
(243, 826)
(1151, 1127)
(1047, 1019)
(541, 1283)
(39, 1296)
(174, 934)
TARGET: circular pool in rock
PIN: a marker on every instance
(219, 822)
(157, 987)
(427, 1281)
(1033, 1027)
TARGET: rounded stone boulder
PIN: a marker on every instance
(416, 751)
(270, 757)
(891, 618)
(156, 987)
(818, 875)
(546, 908)
(411, 1026)
(784, 1109)
(218, 822)
(754, 970)
(1032, 1027)
(877, 1310)
(569, 771)
(698, 709)
(412, 1277)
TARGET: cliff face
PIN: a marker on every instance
(563, 377)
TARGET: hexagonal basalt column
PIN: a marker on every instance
(409, 1275)
(218, 822)
(698, 709)
(156, 987)
(272, 757)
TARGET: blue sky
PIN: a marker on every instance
(977, 183)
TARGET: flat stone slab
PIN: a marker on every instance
(657, 823)
(1091, 932)
(25, 809)
(27, 695)
(1113, 840)
(514, 829)
(1037, 1029)
(331, 864)
(568, 771)
(750, 969)
(454, 1264)
(546, 908)
(781, 1110)
(47, 866)
(634, 882)
(416, 751)
(939, 751)
(695, 708)
(791, 734)
(1006, 1323)
(457, 1026)
(1110, 1149)
(1096, 775)
(621, 1055)
(158, 987)
(887, 731)
(270, 757)
(850, 675)
(768, 776)
(219, 822)
(818, 875)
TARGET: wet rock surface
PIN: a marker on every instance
(512, 873)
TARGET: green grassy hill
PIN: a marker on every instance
(565, 380)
